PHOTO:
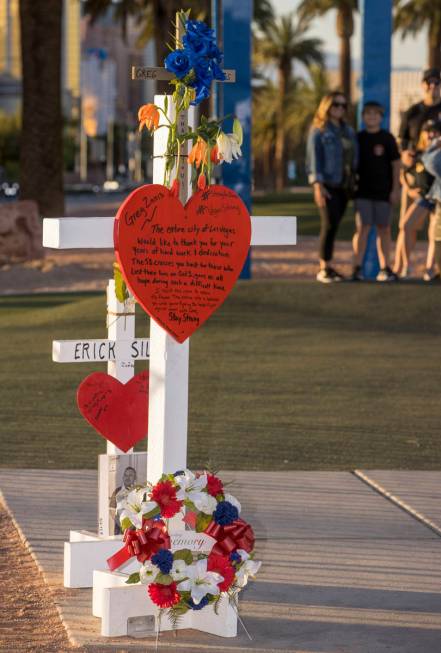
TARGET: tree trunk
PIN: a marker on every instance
(345, 30)
(434, 45)
(41, 150)
(284, 73)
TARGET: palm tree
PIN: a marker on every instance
(41, 151)
(411, 16)
(282, 42)
(345, 29)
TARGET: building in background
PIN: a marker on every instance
(100, 101)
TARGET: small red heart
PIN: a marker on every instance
(181, 262)
(118, 411)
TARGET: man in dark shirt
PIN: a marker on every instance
(378, 189)
(413, 120)
(429, 109)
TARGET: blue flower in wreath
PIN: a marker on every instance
(164, 560)
(235, 557)
(198, 606)
(225, 513)
(178, 62)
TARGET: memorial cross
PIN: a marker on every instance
(168, 393)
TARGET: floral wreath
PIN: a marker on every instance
(181, 579)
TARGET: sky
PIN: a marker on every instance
(408, 53)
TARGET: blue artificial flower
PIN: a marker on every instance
(202, 93)
(197, 28)
(178, 62)
(164, 560)
(198, 606)
(225, 513)
(235, 557)
(218, 73)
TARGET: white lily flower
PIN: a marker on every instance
(228, 147)
(189, 482)
(233, 501)
(203, 501)
(200, 581)
(147, 506)
(147, 572)
(249, 568)
(179, 570)
(130, 507)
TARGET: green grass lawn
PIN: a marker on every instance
(302, 206)
(286, 375)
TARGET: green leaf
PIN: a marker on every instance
(202, 522)
(152, 513)
(121, 291)
(185, 555)
(166, 104)
(126, 523)
(237, 131)
(164, 579)
(133, 578)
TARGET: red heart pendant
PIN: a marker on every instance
(181, 262)
(119, 412)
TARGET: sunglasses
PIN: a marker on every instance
(340, 105)
(434, 81)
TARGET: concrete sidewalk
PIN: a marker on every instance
(345, 569)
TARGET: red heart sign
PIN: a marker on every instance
(119, 412)
(181, 263)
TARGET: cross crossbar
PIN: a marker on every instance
(145, 73)
(97, 233)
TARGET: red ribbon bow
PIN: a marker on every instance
(142, 543)
(237, 535)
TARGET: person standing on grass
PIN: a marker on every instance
(331, 160)
(378, 190)
(413, 120)
(418, 182)
(431, 159)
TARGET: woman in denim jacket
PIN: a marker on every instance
(331, 161)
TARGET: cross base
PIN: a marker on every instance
(127, 610)
(86, 552)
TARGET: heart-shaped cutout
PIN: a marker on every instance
(181, 262)
(118, 411)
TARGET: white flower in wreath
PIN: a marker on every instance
(130, 507)
(203, 502)
(200, 582)
(179, 570)
(147, 572)
(233, 501)
(248, 569)
(189, 482)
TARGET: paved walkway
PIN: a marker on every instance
(345, 569)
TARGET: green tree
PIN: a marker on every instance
(282, 42)
(411, 16)
(41, 150)
(345, 29)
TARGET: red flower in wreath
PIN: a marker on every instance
(164, 493)
(165, 596)
(214, 485)
(223, 566)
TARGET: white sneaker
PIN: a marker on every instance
(324, 276)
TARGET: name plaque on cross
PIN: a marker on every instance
(87, 351)
(145, 73)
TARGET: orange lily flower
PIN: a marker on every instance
(148, 115)
(214, 156)
(198, 153)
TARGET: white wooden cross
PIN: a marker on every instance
(125, 608)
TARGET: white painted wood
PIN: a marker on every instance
(271, 230)
(120, 326)
(115, 602)
(64, 233)
(82, 557)
(86, 351)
